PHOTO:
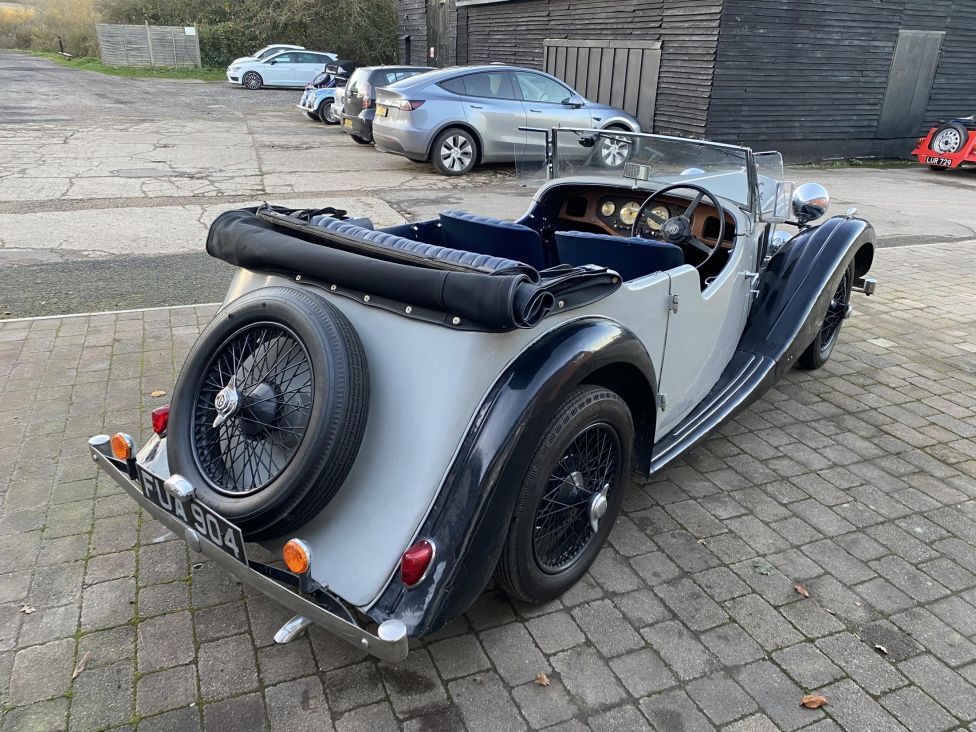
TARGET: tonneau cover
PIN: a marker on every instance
(497, 296)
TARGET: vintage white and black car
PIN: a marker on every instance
(403, 414)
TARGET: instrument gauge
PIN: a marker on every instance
(608, 208)
(628, 213)
(660, 212)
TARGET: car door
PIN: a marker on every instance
(492, 108)
(277, 70)
(545, 101)
(704, 328)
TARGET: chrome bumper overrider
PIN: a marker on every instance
(390, 642)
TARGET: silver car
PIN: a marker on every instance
(463, 116)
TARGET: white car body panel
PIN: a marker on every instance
(282, 72)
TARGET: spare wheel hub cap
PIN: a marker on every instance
(226, 402)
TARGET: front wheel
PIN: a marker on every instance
(312, 116)
(325, 113)
(252, 80)
(362, 140)
(570, 496)
(455, 152)
(818, 352)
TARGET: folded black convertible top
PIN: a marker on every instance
(464, 292)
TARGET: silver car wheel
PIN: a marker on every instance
(614, 152)
(252, 80)
(456, 153)
(947, 141)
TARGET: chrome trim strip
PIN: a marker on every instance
(394, 647)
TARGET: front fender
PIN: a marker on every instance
(797, 285)
(469, 520)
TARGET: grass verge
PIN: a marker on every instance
(94, 64)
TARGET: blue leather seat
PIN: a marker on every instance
(386, 240)
(630, 257)
(494, 237)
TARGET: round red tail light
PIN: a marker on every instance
(415, 562)
(160, 419)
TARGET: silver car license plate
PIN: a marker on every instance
(210, 526)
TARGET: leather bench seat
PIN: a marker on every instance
(630, 257)
(493, 237)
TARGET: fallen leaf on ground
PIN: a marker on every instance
(881, 649)
(157, 393)
(542, 680)
(813, 701)
(763, 567)
(81, 665)
(801, 590)
(28, 609)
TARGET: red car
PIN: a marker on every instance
(948, 145)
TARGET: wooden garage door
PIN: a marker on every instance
(913, 68)
(620, 73)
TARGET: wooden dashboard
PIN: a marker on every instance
(605, 209)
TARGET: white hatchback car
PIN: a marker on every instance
(288, 68)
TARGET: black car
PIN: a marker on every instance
(360, 98)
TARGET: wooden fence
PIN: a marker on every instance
(148, 45)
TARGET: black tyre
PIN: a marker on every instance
(325, 112)
(949, 138)
(818, 352)
(613, 153)
(578, 476)
(938, 168)
(269, 411)
(312, 116)
(454, 152)
(252, 80)
(362, 140)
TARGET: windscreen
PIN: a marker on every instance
(640, 158)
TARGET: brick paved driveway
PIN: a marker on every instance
(858, 482)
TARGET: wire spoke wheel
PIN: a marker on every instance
(836, 312)
(252, 408)
(575, 497)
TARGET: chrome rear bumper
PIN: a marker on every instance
(390, 642)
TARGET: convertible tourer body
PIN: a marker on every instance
(401, 414)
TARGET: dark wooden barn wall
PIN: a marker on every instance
(413, 23)
(810, 75)
(954, 90)
(513, 32)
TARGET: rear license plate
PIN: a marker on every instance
(938, 161)
(347, 123)
(382, 111)
(209, 525)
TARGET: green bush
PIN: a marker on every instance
(364, 30)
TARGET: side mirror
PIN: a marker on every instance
(810, 202)
(575, 101)
(272, 62)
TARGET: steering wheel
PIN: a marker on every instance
(677, 229)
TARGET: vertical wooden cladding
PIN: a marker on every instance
(623, 74)
(514, 32)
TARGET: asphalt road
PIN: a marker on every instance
(108, 185)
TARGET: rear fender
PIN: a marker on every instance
(797, 285)
(469, 520)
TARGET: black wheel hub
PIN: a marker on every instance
(259, 409)
(836, 313)
(575, 498)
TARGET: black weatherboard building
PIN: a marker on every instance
(813, 78)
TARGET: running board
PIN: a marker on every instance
(744, 380)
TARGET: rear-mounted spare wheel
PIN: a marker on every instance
(270, 409)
